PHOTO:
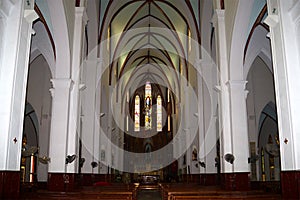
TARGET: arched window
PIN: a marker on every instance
(159, 113)
(137, 113)
(148, 106)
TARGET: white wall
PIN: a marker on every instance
(38, 96)
(261, 92)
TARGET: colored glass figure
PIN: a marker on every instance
(159, 113)
(137, 113)
(148, 106)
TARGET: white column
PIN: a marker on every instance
(108, 150)
(283, 20)
(73, 131)
(14, 54)
(222, 88)
(88, 115)
(201, 149)
(59, 124)
(208, 138)
(239, 127)
(187, 130)
(98, 114)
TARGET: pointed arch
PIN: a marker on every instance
(61, 39)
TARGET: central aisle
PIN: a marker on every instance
(149, 195)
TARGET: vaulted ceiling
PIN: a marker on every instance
(149, 40)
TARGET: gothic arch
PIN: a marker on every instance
(61, 39)
(259, 46)
(41, 44)
(238, 41)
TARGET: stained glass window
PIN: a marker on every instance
(148, 106)
(137, 113)
(159, 113)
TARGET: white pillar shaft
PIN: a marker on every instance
(97, 126)
(186, 127)
(74, 95)
(14, 56)
(285, 42)
(201, 149)
(111, 103)
(59, 124)
(239, 126)
(222, 61)
(209, 107)
(88, 118)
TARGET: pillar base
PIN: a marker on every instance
(9, 184)
(290, 184)
(209, 179)
(236, 181)
(88, 179)
(62, 182)
(190, 178)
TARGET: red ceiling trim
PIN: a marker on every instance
(195, 20)
(256, 24)
(42, 19)
(222, 4)
(77, 3)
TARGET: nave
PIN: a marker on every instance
(202, 91)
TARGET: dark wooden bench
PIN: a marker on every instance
(190, 191)
(114, 191)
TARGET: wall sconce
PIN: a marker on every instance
(202, 164)
(70, 159)
(94, 164)
(229, 158)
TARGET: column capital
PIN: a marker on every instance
(272, 20)
(61, 83)
(219, 15)
(81, 13)
(29, 13)
(238, 85)
(235, 84)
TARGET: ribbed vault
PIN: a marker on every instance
(148, 39)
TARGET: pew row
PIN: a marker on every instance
(194, 191)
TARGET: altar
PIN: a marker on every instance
(149, 178)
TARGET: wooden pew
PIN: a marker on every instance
(193, 192)
(226, 197)
(114, 191)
